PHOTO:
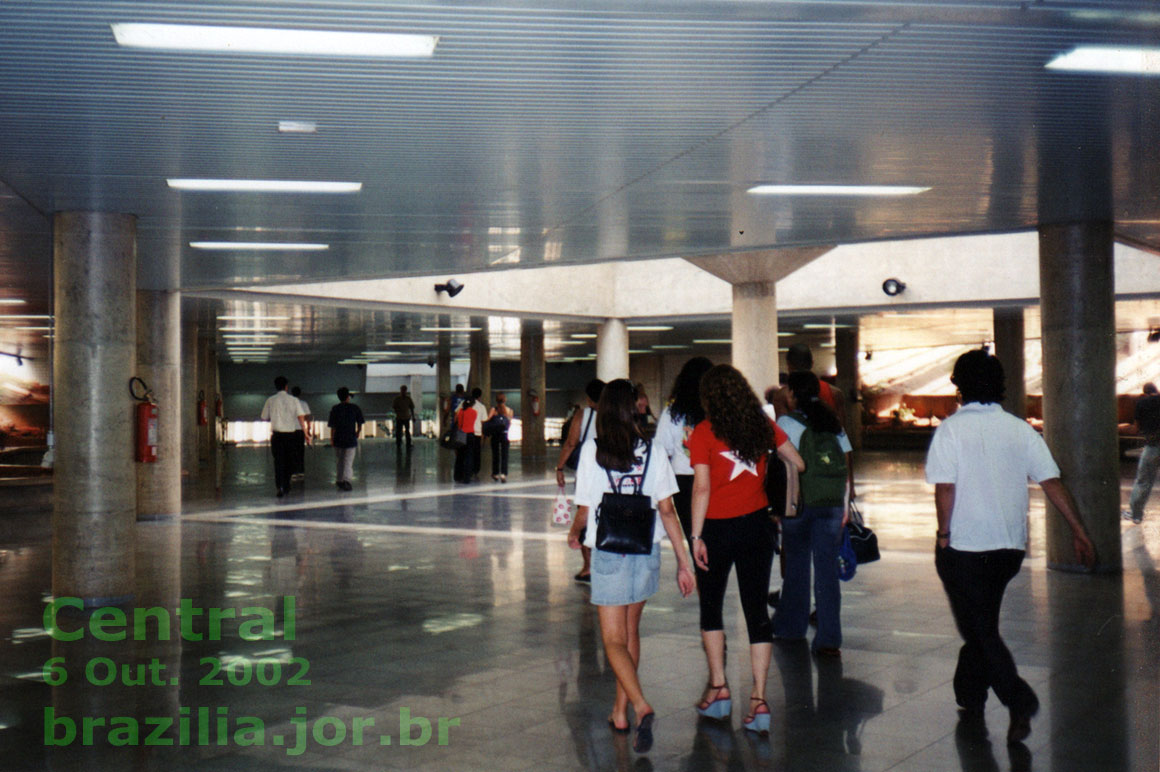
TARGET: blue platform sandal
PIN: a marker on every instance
(719, 707)
(758, 721)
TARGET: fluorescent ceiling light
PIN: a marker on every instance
(255, 317)
(709, 341)
(25, 316)
(32, 328)
(822, 326)
(261, 40)
(297, 127)
(264, 246)
(584, 335)
(637, 351)
(249, 329)
(12, 302)
(668, 346)
(1123, 60)
(836, 190)
(381, 353)
(648, 328)
(263, 186)
(784, 334)
(411, 343)
(450, 329)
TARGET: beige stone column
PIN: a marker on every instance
(159, 365)
(95, 354)
(612, 350)
(532, 385)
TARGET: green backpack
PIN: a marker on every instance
(823, 484)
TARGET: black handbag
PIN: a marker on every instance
(453, 438)
(625, 521)
(574, 457)
(497, 424)
(781, 486)
(862, 539)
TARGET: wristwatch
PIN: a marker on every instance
(942, 534)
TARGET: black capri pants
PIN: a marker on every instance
(746, 542)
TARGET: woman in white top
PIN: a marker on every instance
(580, 431)
(676, 423)
(622, 583)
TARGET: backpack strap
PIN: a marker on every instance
(588, 423)
(615, 484)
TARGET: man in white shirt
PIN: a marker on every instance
(286, 417)
(298, 467)
(979, 461)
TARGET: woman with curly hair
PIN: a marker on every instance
(731, 526)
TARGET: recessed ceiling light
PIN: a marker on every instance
(1124, 60)
(259, 246)
(836, 190)
(260, 40)
(648, 328)
(263, 186)
(297, 127)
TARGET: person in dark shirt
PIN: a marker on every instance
(346, 422)
(1148, 424)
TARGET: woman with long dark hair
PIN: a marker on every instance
(817, 530)
(619, 460)
(676, 423)
(465, 417)
(731, 526)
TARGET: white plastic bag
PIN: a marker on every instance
(562, 510)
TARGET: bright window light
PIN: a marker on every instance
(1110, 59)
(836, 190)
(263, 186)
(261, 40)
(259, 246)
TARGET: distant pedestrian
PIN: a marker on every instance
(404, 413)
(465, 418)
(346, 423)
(286, 416)
(499, 438)
(979, 462)
(1147, 423)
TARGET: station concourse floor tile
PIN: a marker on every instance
(444, 619)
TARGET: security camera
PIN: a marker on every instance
(452, 288)
(893, 287)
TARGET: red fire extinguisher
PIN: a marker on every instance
(147, 417)
(202, 410)
(535, 402)
(218, 410)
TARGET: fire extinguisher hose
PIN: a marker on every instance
(147, 393)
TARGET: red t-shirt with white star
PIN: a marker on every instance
(736, 487)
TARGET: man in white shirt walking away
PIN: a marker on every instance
(286, 417)
(979, 461)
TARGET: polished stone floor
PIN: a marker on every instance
(416, 600)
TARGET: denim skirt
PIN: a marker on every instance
(619, 580)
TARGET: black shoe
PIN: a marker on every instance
(1020, 727)
(774, 598)
(346, 486)
(280, 493)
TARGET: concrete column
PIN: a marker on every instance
(1009, 342)
(612, 350)
(755, 333)
(846, 345)
(416, 389)
(1079, 394)
(204, 391)
(189, 451)
(95, 485)
(532, 383)
(442, 371)
(159, 365)
(479, 371)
